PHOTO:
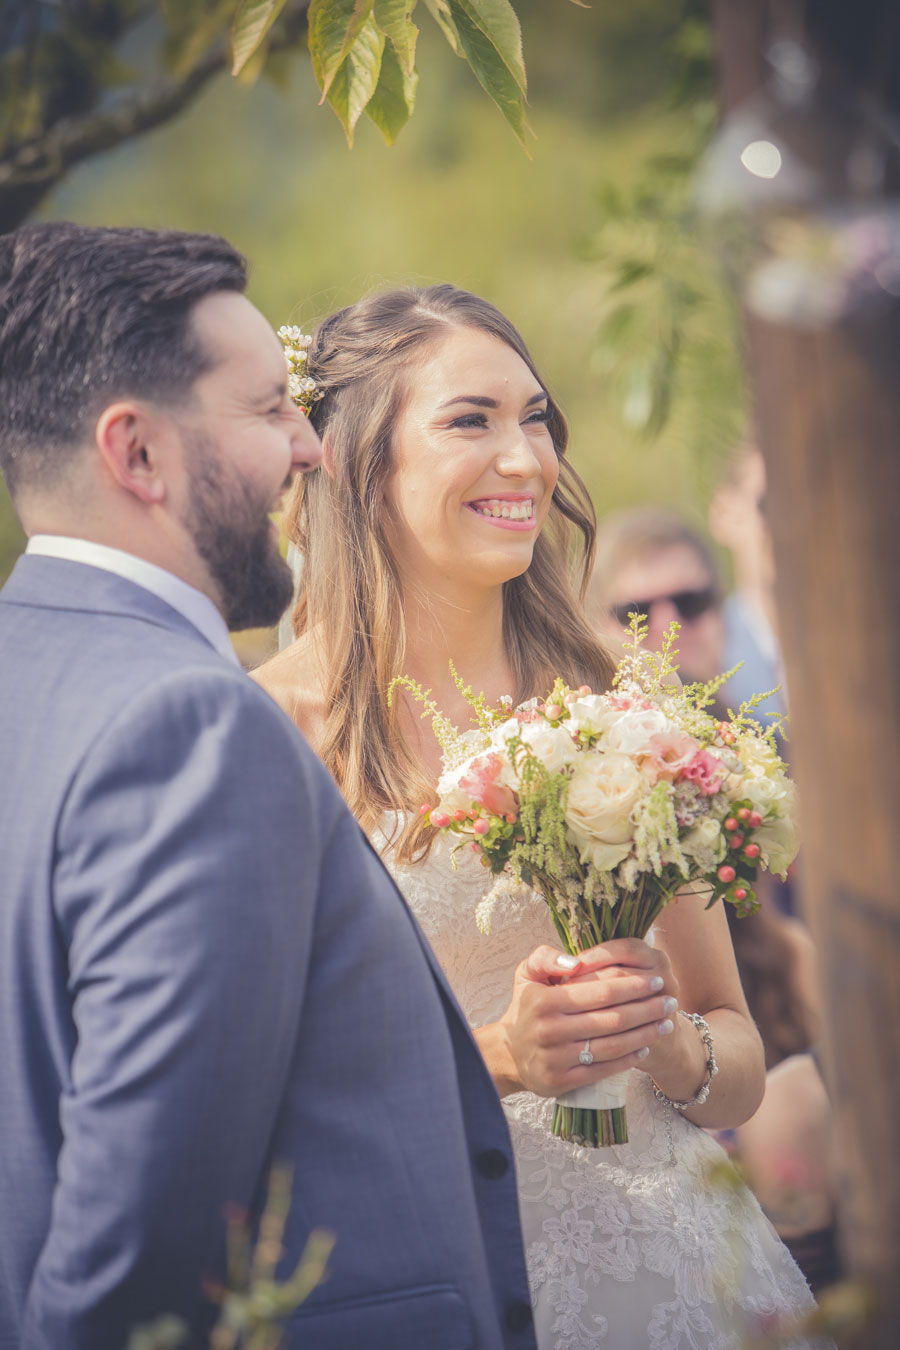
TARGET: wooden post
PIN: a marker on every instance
(828, 412)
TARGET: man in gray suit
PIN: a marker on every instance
(204, 968)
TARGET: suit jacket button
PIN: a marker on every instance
(492, 1163)
(518, 1316)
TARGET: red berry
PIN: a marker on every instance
(440, 819)
(423, 810)
(755, 820)
(751, 851)
(740, 893)
(510, 820)
(481, 826)
(735, 840)
(726, 874)
(731, 823)
(476, 848)
(744, 813)
(552, 711)
(584, 690)
(473, 814)
(459, 815)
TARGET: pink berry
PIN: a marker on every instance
(510, 820)
(731, 823)
(726, 874)
(552, 711)
(735, 840)
(476, 848)
(584, 690)
(751, 851)
(755, 820)
(740, 893)
(744, 813)
(423, 810)
(440, 819)
(459, 815)
(481, 826)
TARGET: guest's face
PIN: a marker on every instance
(474, 466)
(243, 441)
(660, 580)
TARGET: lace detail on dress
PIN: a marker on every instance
(636, 1245)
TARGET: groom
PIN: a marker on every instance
(204, 969)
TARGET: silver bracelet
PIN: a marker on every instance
(712, 1067)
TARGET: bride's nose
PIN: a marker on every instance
(516, 457)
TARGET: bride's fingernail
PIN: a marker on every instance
(650, 937)
(567, 962)
(656, 984)
(666, 1027)
(670, 1005)
(642, 1053)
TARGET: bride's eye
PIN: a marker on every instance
(469, 420)
(540, 415)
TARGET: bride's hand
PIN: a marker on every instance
(621, 997)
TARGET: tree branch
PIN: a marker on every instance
(29, 172)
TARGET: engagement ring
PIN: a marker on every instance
(586, 1057)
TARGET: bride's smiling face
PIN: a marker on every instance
(473, 465)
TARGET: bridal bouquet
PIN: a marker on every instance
(608, 805)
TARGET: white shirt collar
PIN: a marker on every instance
(196, 607)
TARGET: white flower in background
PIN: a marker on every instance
(603, 792)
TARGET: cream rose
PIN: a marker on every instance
(553, 746)
(778, 843)
(635, 729)
(592, 713)
(602, 795)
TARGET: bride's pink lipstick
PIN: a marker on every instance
(509, 510)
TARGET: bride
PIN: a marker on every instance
(441, 527)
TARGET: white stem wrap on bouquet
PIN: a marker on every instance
(606, 1095)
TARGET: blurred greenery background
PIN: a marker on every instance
(587, 246)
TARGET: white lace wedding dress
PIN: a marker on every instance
(638, 1245)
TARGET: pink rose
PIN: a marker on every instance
(707, 772)
(669, 754)
(481, 782)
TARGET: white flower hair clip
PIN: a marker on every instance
(301, 385)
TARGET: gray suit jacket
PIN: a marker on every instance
(205, 969)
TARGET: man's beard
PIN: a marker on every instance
(231, 532)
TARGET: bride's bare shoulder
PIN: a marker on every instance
(295, 679)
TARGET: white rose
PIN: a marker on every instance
(602, 795)
(770, 794)
(592, 713)
(778, 843)
(553, 746)
(705, 844)
(633, 731)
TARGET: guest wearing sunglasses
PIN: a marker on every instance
(651, 561)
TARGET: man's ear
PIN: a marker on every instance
(125, 438)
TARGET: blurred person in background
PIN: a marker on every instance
(737, 521)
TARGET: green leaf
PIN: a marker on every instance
(252, 21)
(394, 18)
(496, 20)
(334, 27)
(490, 69)
(440, 12)
(356, 79)
(390, 107)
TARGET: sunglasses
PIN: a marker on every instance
(688, 605)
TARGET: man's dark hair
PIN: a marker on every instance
(88, 316)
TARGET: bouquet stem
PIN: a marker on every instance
(593, 1129)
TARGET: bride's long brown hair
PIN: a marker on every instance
(362, 359)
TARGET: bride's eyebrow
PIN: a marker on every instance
(480, 401)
